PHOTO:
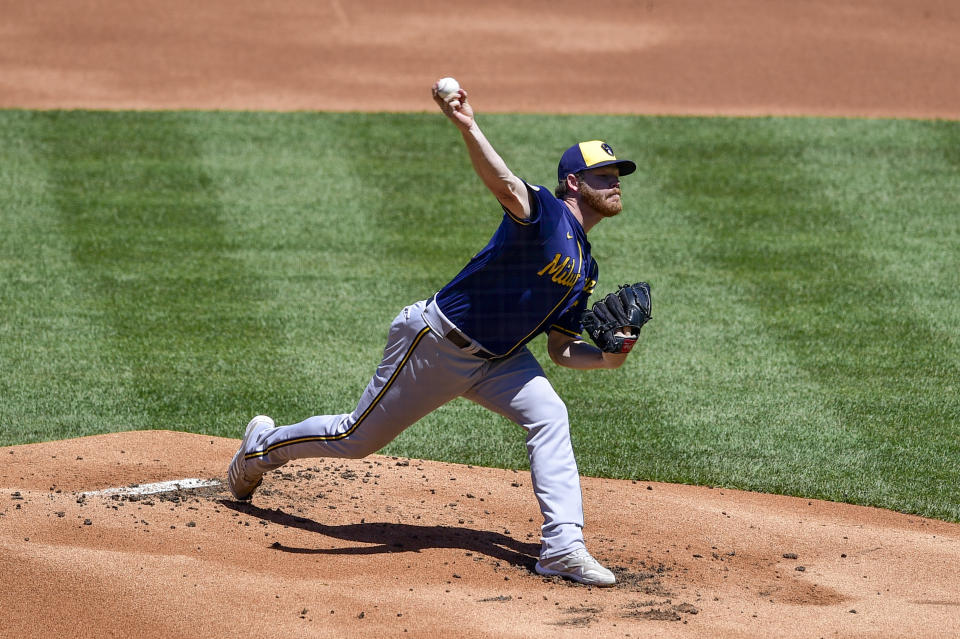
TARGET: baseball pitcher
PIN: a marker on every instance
(469, 340)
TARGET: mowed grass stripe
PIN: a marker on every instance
(904, 332)
(172, 312)
(49, 343)
(767, 239)
(879, 363)
(296, 192)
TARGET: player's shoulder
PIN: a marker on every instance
(545, 198)
(542, 203)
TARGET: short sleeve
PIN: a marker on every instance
(536, 207)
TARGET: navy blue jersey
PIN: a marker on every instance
(532, 277)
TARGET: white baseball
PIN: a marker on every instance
(447, 86)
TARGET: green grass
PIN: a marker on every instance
(188, 270)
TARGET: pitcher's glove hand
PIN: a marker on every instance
(614, 322)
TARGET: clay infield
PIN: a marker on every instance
(402, 547)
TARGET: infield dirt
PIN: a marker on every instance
(397, 547)
(388, 546)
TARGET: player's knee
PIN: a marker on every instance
(361, 450)
(559, 410)
(551, 412)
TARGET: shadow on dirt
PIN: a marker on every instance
(393, 538)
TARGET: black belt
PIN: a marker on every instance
(459, 339)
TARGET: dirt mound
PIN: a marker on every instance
(376, 547)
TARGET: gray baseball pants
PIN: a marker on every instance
(421, 370)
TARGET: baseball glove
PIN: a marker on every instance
(614, 322)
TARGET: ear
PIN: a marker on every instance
(573, 183)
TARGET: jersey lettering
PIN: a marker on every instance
(561, 272)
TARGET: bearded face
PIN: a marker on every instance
(600, 190)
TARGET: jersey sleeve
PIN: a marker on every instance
(536, 207)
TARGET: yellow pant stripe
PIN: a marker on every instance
(376, 400)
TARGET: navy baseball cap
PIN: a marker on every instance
(590, 155)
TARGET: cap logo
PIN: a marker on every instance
(595, 152)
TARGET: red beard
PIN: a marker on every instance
(607, 206)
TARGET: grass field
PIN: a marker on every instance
(189, 270)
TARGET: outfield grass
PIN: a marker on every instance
(188, 270)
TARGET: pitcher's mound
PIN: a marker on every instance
(376, 547)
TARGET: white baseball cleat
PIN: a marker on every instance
(242, 482)
(578, 565)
